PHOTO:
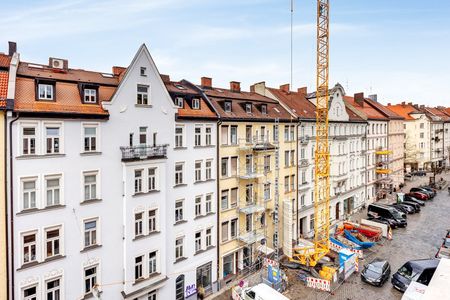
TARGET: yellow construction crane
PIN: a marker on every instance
(310, 255)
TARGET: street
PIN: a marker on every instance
(420, 239)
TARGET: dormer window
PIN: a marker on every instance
(179, 102)
(248, 108)
(143, 71)
(46, 92)
(90, 96)
(264, 109)
(227, 106)
(195, 103)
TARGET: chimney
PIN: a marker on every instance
(252, 88)
(410, 103)
(359, 99)
(165, 78)
(117, 71)
(12, 48)
(403, 103)
(373, 97)
(303, 90)
(235, 86)
(206, 82)
(285, 87)
(422, 106)
(389, 104)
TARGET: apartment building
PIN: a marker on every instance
(378, 183)
(257, 173)
(347, 153)
(396, 140)
(194, 217)
(417, 128)
(7, 78)
(439, 139)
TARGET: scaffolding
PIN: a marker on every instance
(255, 153)
(383, 171)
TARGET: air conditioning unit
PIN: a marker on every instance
(57, 63)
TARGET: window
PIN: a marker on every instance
(29, 248)
(28, 140)
(208, 203)
(130, 140)
(224, 134)
(286, 184)
(152, 179)
(292, 182)
(179, 210)
(248, 222)
(52, 242)
(264, 109)
(233, 135)
(311, 222)
(248, 133)
(179, 247)
(179, 102)
(249, 193)
(198, 206)
(195, 103)
(90, 138)
(198, 170)
(143, 135)
(179, 288)
(234, 197)
(90, 279)
(224, 200)
(422, 135)
(52, 139)
(208, 237)
(208, 136)
(90, 186)
(30, 293)
(225, 231)
(286, 158)
(53, 289)
(179, 137)
(198, 136)
(138, 264)
(286, 133)
(198, 241)
(138, 221)
(234, 165)
(152, 263)
(179, 170)
(267, 163)
(53, 191)
(90, 96)
(137, 181)
(227, 106)
(90, 233)
(152, 221)
(233, 228)
(143, 71)
(142, 94)
(422, 125)
(292, 158)
(208, 169)
(302, 200)
(29, 193)
(248, 108)
(292, 132)
(45, 91)
(224, 166)
(266, 191)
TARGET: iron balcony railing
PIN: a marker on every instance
(140, 152)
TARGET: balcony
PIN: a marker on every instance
(304, 139)
(251, 208)
(303, 163)
(251, 237)
(256, 144)
(141, 152)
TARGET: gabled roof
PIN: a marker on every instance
(404, 109)
(438, 113)
(188, 92)
(384, 110)
(367, 110)
(297, 102)
(68, 96)
(238, 99)
(4, 78)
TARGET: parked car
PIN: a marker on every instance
(414, 205)
(430, 189)
(388, 213)
(376, 272)
(408, 177)
(430, 194)
(413, 199)
(404, 208)
(414, 270)
(419, 173)
(418, 195)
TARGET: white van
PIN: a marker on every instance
(258, 292)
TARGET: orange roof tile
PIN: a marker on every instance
(403, 110)
(384, 110)
(4, 60)
(3, 84)
(369, 111)
(437, 112)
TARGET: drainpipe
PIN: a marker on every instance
(366, 175)
(299, 123)
(11, 206)
(219, 122)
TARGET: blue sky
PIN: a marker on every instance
(396, 49)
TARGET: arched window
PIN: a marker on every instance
(179, 288)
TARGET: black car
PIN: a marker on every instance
(430, 189)
(404, 208)
(420, 271)
(390, 214)
(414, 205)
(415, 200)
(430, 194)
(376, 272)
